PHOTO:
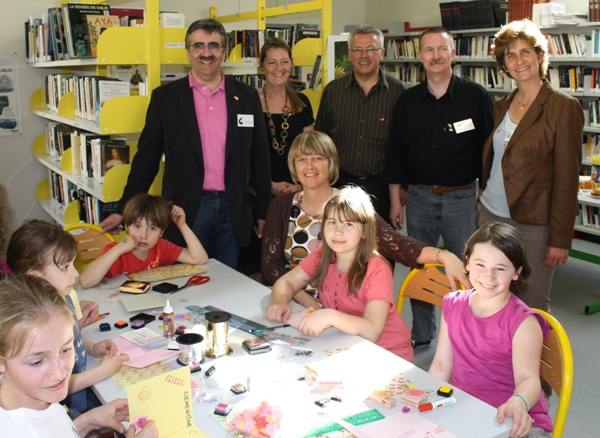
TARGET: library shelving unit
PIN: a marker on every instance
(149, 46)
(304, 51)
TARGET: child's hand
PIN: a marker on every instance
(314, 323)
(177, 216)
(103, 348)
(108, 415)
(89, 310)
(149, 430)
(112, 364)
(128, 244)
(279, 312)
(522, 422)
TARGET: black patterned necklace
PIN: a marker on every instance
(278, 146)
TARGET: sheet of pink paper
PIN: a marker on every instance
(140, 357)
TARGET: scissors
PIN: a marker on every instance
(195, 280)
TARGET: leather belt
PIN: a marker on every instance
(438, 190)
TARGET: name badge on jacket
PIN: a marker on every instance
(464, 126)
(245, 121)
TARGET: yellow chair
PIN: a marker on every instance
(557, 369)
(90, 242)
(429, 284)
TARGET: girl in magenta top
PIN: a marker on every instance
(490, 342)
(356, 285)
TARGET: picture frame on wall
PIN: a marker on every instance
(338, 62)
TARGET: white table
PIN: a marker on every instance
(363, 367)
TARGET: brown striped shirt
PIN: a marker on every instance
(359, 124)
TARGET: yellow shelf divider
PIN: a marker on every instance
(66, 161)
(314, 97)
(38, 100)
(172, 46)
(39, 145)
(123, 114)
(123, 45)
(71, 215)
(306, 50)
(66, 105)
(114, 182)
(42, 191)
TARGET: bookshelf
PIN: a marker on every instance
(150, 46)
(304, 51)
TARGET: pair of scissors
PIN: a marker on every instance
(195, 280)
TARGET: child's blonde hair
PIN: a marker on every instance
(27, 303)
(154, 209)
(31, 244)
(350, 204)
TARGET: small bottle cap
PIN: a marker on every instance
(168, 308)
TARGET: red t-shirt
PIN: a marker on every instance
(378, 285)
(164, 253)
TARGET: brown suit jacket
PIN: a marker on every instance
(541, 163)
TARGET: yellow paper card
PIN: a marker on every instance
(166, 399)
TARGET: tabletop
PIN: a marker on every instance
(361, 365)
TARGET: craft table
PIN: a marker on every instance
(362, 366)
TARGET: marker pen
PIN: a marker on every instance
(437, 404)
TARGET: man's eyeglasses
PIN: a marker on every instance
(212, 47)
(368, 50)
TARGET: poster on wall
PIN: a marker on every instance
(10, 115)
(337, 54)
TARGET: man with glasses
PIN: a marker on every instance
(216, 159)
(438, 131)
(355, 111)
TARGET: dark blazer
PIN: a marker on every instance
(172, 129)
(541, 163)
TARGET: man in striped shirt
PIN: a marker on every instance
(355, 111)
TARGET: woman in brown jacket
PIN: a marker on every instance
(532, 159)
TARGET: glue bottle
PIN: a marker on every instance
(168, 321)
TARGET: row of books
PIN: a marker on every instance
(402, 48)
(252, 40)
(489, 77)
(254, 80)
(594, 107)
(571, 78)
(590, 216)
(567, 45)
(91, 92)
(475, 14)
(72, 31)
(594, 10)
(92, 155)
(520, 9)
(410, 74)
(91, 209)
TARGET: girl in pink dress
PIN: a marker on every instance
(355, 284)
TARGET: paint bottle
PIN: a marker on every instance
(168, 321)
